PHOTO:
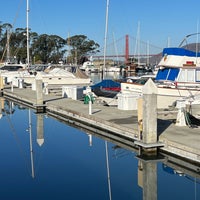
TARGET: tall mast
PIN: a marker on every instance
(105, 39)
(27, 32)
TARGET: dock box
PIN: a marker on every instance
(74, 92)
(127, 101)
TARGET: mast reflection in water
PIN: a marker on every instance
(42, 158)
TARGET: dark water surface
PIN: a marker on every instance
(42, 158)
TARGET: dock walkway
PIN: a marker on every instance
(179, 140)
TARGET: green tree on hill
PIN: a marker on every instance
(81, 47)
(44, 48)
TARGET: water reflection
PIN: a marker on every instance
(31, 142)
(40, 129)
(84, 164)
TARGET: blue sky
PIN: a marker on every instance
(161, 22)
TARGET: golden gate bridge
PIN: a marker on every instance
(127, 48)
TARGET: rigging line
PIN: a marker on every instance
(12, 27)
(17, 140)
(144, 43)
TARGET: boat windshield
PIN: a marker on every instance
(11, 67)
(169, 74)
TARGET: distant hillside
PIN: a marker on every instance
(192, 47)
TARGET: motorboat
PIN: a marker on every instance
(10, 71)
(178, 76)
(88, 66)
(59, 76)
(51, 76)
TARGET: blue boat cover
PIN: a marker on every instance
(179, 52)
(107, 83)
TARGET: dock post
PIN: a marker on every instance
(1, 85)
(39, 94)
(149, 112)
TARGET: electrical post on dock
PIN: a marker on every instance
(88, 99)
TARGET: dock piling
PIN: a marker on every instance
(39, 94)
(147, 120)
(149, 112)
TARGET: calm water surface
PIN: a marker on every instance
(42, 158)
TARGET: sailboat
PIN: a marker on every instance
(51, 76)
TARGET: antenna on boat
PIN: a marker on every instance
(187, 36)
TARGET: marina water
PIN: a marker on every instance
(43, 158)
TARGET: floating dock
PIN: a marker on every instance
(119, 125)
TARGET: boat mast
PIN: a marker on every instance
(105, 39)
(27, 32)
